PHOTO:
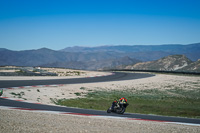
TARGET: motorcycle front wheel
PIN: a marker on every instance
(120, 110)
(123, 110)
(109, 110)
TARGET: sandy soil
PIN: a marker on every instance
(20, 121)
(159, 81)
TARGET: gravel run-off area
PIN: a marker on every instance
(12, 121)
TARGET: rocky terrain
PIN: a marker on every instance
(169, 63)
(192, 67)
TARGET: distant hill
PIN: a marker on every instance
(169, 63)
(93, 58)
(31, 57)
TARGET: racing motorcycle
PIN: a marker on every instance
(119, 108)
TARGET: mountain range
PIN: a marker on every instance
(142, 52)
(95, 58)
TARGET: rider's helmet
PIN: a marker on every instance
(123, 99)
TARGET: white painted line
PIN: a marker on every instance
(6, 107)
(51, 112)
(113, 117)
(181, 123)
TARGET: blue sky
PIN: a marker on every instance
(56, 24)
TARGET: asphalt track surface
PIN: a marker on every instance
(115, 77)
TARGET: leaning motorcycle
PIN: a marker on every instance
(119, 108)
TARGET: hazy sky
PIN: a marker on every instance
(56, 24)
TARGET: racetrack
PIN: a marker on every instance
(114, 77)
(67, 110)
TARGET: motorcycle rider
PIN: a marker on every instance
(122, 100)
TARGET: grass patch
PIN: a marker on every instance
(19, 95)
(77, 94)
(82, 88)
(173, 102)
